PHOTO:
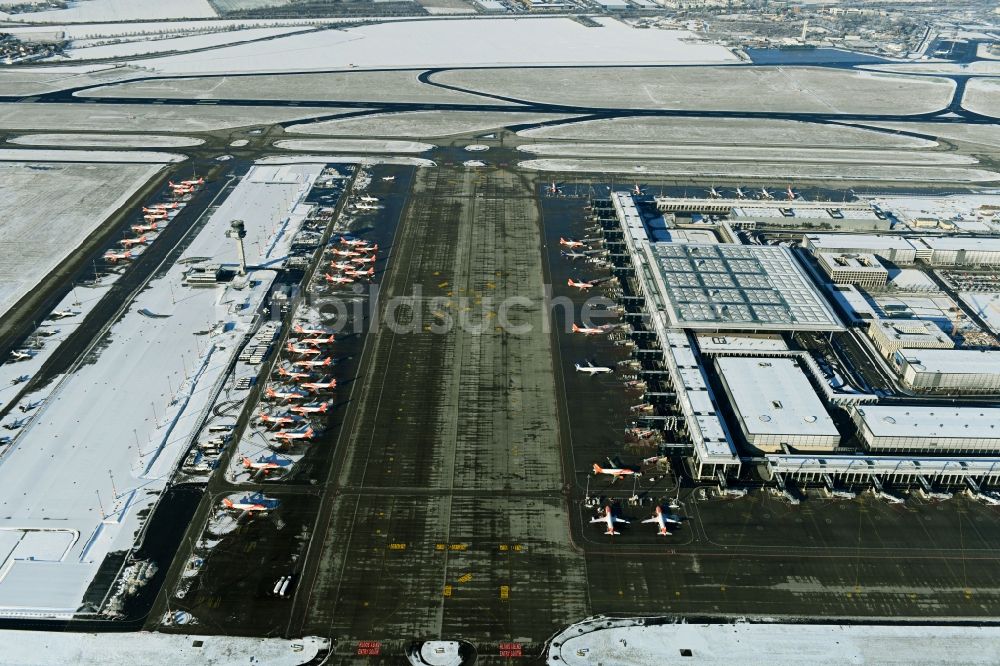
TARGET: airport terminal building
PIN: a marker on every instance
(972, 370)
(929, 429)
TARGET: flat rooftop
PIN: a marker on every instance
(772, 396)
(740, 287)
(854, 261)
(714, 343)
(924, 422)
(953, 361)
(834, 242)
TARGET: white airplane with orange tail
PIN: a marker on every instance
(293, 375)
(609, 518)
(161, 206)
(286, 395)
(582, 286)
(193, 183)
(131, 242)
(315, 342)
(662, 519)
(292, 435)
(303, 351)
(344, 240)
(251, 503)
(278, 420)
(570, 243)
(158, 212)
(342, 265)
(615, 472)
(345, 253)
(590, 330)
(141, 228)
(313, 363)
(338, 279)
(266, 464)
(327, 385)
(311, 408)
(370, 259)
(299, 329)
(115, 257)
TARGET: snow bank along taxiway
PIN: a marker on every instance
(97, 455)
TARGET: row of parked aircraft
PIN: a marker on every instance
(662, 519)
(352, 255)
(154, 217)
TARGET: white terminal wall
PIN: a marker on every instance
(927, 429)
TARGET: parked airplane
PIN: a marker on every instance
(570, 243)
(615, 472)
(266, 464)
(313, 363)
(764, 194)
(115, 257)
(325, 385)
(299, 329)
(30, 406)
(370, 259)
(162, 206)
(790, 194)
(293, 375)
(609, 519)
(317, 341)
(141, 228)
(63, 314)
(589, 330)
(131, 242)
(14, 425)
(388, 179)
(193, 183)
(344, 240)
(338, 279)
(582, 286)
(250, 503)
(278, 420)
(345, 253)
(291, 435)
(740, 194)
(361, 274)
(592, 369)
(286, 395)
(20, 379)
(311, 408)
(20, 355)
(159, 213)
(368, 199)
(305, 351)
(662, 519)
(637, 191)
(365, 206)
(573, 255)
(714, 193)
(553, 189)
(342, 265)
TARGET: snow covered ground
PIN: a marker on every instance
(694, 152)
(119, 10)
(986, 305)
(982, 95)
(354, 145)
(724, 131)
(626, 642)
(146, 117)
(344, 159)
(953, 207)
(988, 135)
(339, 86)
(38, 80)
(174, 44)
(105, 140)
(786, 89)
(30, 648)
(488, 42)
(782, 172)
(420, 123)
(87, 156)
(980, 68)
(48, 210)
(133, 410)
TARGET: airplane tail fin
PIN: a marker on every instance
(664, 532)
(597, 469)
(576, 329)
(246, 462)
(226, 502)
(612, 532)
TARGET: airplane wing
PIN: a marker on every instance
(620, 520)
(602, 519)
(650, 520)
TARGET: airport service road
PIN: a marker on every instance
(448, 518)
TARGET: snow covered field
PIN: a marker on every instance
(420, 123)
(354, 145)
(983, 96)
(119, 10)
(987, 135)
(334, 87)
(105, 141)
(946, 207)
(117, 156)
(175, 44)
(724, 131)
(980, 68)
(986, 305)
(146, 117)
(625, 642)
(789, 89)
(344, 159)
(756, 154)
(755, 170)
(37, 80)
(487, 42)
(133, 411)
(48, 210)
(30, 648)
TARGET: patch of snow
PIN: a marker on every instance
(105, 140)
(354, 145)
(88, 156)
